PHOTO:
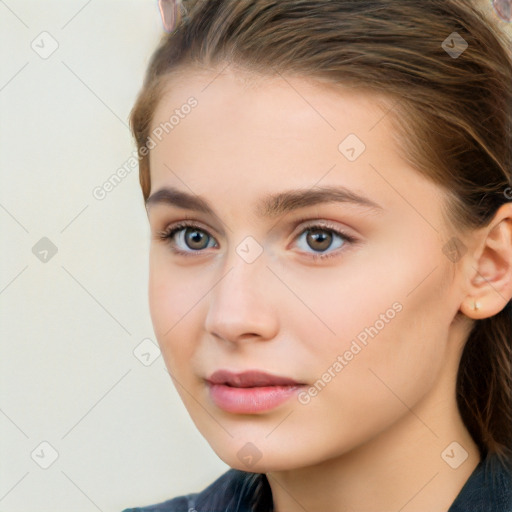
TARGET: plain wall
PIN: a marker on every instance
(69, 325)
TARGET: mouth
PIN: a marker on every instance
(250, 392)
(249, 379)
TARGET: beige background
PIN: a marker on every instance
(73, 371)
(69, 326)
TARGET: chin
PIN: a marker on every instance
(262, 466)
(263, 455)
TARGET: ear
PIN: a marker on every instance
(490, 272)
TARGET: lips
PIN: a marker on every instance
(249, 379)
(250, 392)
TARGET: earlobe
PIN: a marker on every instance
(472, 308)
(490, 288)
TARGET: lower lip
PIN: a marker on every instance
(250, 400)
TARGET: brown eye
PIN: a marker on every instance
(319, 239)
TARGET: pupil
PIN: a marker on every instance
(195, 237)
(317, 236)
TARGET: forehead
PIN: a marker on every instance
(238, 114)
(279, 132)
(244, 93)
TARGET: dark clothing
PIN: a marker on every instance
(239, 491)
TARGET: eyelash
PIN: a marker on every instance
(168, 234)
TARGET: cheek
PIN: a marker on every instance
(172, 291)
(173, 304)
(375, 382)
(380, 331)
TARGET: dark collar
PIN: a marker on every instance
(488, 489)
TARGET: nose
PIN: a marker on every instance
(241, 305)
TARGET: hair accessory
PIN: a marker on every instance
(169, 12)
(503, 9)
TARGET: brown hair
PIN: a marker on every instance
(452, 114)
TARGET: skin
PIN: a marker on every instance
(373, 437)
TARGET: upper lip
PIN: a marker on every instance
(248, 379)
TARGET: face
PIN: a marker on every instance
(343, 300)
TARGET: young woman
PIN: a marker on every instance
(329, 189)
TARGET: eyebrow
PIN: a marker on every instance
(271, 205)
